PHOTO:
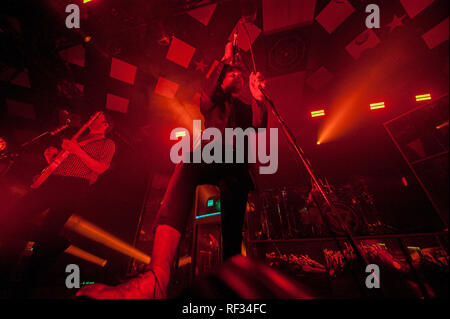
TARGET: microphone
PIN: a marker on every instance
(235, 48)
(61, 128)
(63, 115)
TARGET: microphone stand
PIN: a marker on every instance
(34, 139)
(316, 182)
(54, 132)
(11, 156)
(319, 186)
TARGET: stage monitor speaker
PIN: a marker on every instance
(207, 231)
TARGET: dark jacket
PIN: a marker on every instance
(221, 110)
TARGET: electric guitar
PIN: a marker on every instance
(46, 172)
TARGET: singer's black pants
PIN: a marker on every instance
(234, 182)
(62, 196)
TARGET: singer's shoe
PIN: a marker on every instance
(152, 284)
(145, 286)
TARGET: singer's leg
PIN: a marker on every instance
(171, 223)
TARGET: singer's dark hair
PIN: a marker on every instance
(227, 69)
(217, 89)
(234, 67)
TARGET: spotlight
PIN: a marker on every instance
(87, 39)
(404, 181)
(84, 228)
(423, 97)
(318, 113)
(2, 144)
(78, 252)
(440, 126)
(376, 106)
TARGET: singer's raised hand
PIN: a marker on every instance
(228, 55)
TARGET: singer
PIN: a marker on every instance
(58, 198)
(222, 107)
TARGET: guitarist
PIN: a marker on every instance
(60, 195)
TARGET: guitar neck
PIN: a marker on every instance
(61, 156)
(86, 125)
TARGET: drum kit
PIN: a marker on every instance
(296, 212)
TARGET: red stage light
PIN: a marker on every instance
(2, 144)
(423, 97)
(318, 113)
(442, 125)
(404, 181)
(376, 106)
(397, 265)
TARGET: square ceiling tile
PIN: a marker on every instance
(180, 52)
(122, 71)
(437, 35)
(116, 103)
(414, 7)
(74, 55)
(166, 88)
(363, 42)
(203, 14)
(334, 14)
(292, 13)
